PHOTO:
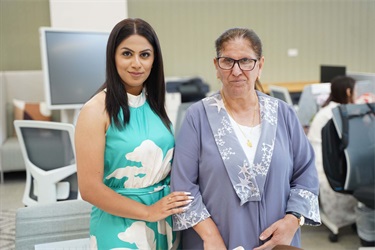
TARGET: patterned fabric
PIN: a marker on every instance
(247, 175)
(136, 165)
(243, 196)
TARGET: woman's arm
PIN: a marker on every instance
(210, 234)
(304, 183)
(90, 138)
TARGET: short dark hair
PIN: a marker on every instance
(116, 96)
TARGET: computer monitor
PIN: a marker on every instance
(365, 82)
(281, 93)
(312, 98)
(328, 72)
(73, 64)
(191, 88)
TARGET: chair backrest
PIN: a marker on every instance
(281, 93)
(181, 115)
(348, 147)
(360, 149)
(47, 147)
(42, 223)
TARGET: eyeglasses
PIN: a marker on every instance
(228, 63)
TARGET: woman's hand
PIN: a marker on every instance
(281, 233)
(174, 203)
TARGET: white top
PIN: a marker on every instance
(136, 101)
(315, 134)
(252, 134)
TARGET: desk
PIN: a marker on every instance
(78, 244)
(293, 87)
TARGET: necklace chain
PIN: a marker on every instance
(248, 142)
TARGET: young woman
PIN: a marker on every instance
(124, 147)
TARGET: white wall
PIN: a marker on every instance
(87, 14)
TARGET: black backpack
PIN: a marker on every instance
(334, 145)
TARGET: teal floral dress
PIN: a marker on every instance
(137, 164)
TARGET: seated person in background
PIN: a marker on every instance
(338, 207)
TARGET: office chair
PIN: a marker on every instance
(181, 115)
(49, 155)
(355, 126)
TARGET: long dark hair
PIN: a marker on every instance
(338, 94)
(248, 34)
(116, 96)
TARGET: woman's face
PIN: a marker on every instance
(237, 82)
(134, 58)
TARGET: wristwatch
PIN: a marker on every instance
(301, 219)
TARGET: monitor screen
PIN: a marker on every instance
(328, 72)
(73, 64)
(312, 98)
(365, 82)
(281, 93)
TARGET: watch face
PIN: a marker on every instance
(301, 220)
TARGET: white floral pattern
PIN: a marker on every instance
(195, 213)
(245, 180)
(154, 166)
(312, 199)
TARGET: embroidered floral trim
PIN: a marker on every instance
(268, 109)
(245, 180)
(195, 213)
(311, 201)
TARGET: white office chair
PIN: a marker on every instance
(49, 155)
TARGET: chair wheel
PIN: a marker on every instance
(366, 243)
(333, 237)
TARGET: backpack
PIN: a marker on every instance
(348, 147)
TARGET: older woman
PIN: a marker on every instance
(245, 158)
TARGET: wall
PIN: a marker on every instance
(99, 15)
(20, 21)
(337, 32)
(19, 37)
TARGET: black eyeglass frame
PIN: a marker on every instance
(236, 61)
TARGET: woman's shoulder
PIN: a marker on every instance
(95, 107)
(96, 101)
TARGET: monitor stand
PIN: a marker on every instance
(69, 115)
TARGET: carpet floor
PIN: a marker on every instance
(7, 229)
